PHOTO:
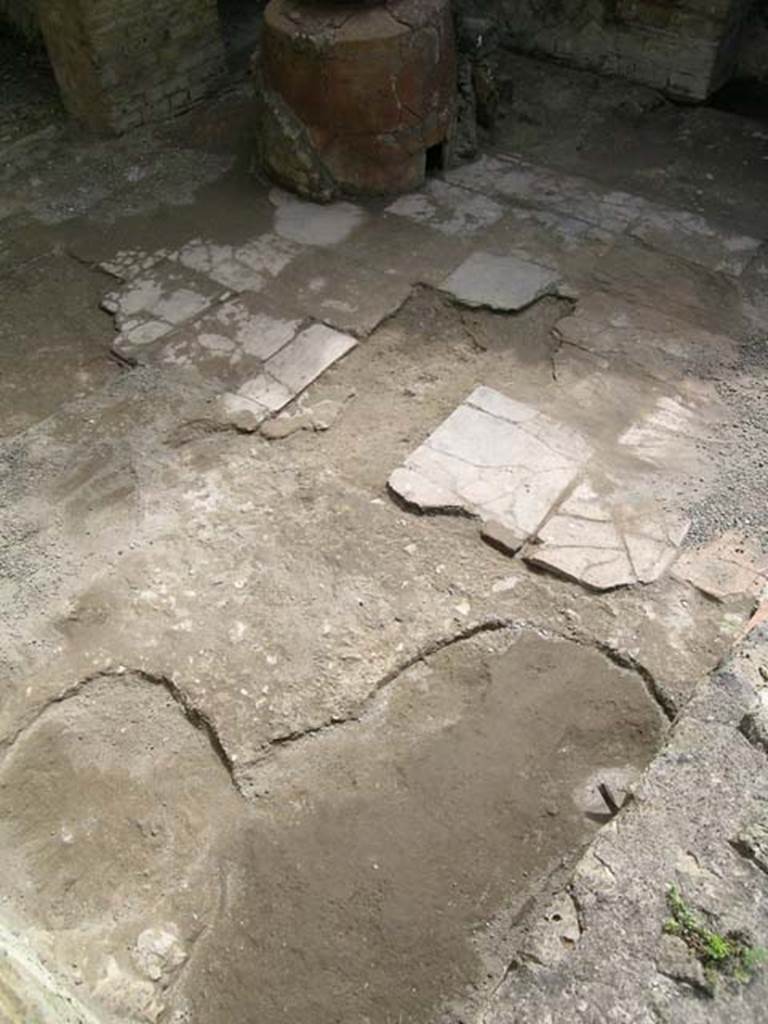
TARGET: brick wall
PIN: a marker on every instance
(686, 48)
(124, 63)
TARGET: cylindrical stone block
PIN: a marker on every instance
(374, 87)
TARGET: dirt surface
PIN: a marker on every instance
(390, 847)
(318, 753)
(374, 854)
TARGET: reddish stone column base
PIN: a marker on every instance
(351, 98)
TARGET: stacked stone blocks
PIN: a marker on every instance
(123, 64)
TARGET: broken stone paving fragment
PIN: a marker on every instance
(154, 303)
(284, 376)
(319, 418)
(504, 283)
(496, 459)
(726, 567)
(605, 544)
(500, 536)
(227, 345)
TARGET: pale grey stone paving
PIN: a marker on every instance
(227, 345)
(130, 263)
(528, 184)
(245, 267)
(286, 374)
(522, 474)
(308, 355)
(506, 283)
(152, 304)
(677, 232)
(346, 294)
(606, 543)
(692, 237)
(495, 458)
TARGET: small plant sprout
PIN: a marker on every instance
(730, 956)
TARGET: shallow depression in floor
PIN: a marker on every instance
(382, 850)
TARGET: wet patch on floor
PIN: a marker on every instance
(382, 849)
(368, 860)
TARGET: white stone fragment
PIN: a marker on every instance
(310, 353)
(129, 263)
(604, 543)
(496, 459)
(240, 412)
(500, 282)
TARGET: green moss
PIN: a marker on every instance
(729, 956)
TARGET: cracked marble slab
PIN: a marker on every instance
(603, 543)
(286, 374)
(496, 459)
(505, 283)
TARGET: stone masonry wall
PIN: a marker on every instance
(124, 63)
(22, 14)
(687, 48)
(753, 53)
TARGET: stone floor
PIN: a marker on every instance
(277, 744)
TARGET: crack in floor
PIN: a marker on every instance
(494, 624)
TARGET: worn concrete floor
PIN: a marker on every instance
(275, 746)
